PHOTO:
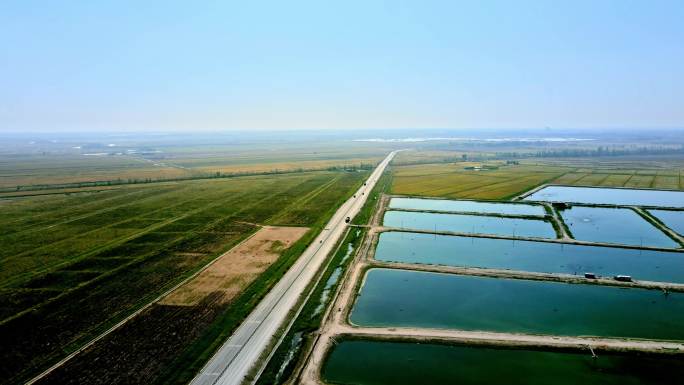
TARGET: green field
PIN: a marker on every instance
(88, 240)
(63, 164)
(504, 181)
(670, 180)
(454, 181)
(73, 265)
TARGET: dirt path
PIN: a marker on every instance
(655, 222)
(515, 339)
(527, 275)
(559, 223)
(571, 241)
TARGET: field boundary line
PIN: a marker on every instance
(664, 286)
(134, 314)
(303, 200)
(206, 176)
(108, 244)
(657, 223)
(571, 241)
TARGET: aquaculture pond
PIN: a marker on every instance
(466, 206)
(613, 196)
(473, 224)
(544, 257)
(403, 298)
(672, 219)
(610, 225)
(367, 362)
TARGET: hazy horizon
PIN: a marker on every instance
(425, 132)
(350, 130)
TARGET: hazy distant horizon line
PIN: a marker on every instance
(326, 130)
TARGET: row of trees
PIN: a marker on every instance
(217, 174)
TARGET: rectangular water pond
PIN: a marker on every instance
(403, 298)
(609, 225)
(672, 219)
(613, 196)
(367, 362)
(466, 206)
(472, 224)
(543, 257)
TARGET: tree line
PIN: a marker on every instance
(214, 175)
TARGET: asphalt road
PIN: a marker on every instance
(231, 363)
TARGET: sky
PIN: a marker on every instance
(247, 65)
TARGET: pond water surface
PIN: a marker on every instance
(402, 298)
(609, 225)
(466, 206)
(367, 362)
(613, 196)
(473, 224)
(672, 219)
(544, 257)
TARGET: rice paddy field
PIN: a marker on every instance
(79, 162)
(72, 265)
(27, 170)
(664, 174)
(453, 180)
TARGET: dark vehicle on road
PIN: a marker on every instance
(623, 278)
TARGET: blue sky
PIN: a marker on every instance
(167, 65)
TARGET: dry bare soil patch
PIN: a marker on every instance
(236, 268)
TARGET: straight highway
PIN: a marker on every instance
(232, 362)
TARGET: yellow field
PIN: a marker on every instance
(288, 165)
(616, 180)
(624, 178)
(432, 156)
(174, 162)
(451, 180)
(670, 182)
